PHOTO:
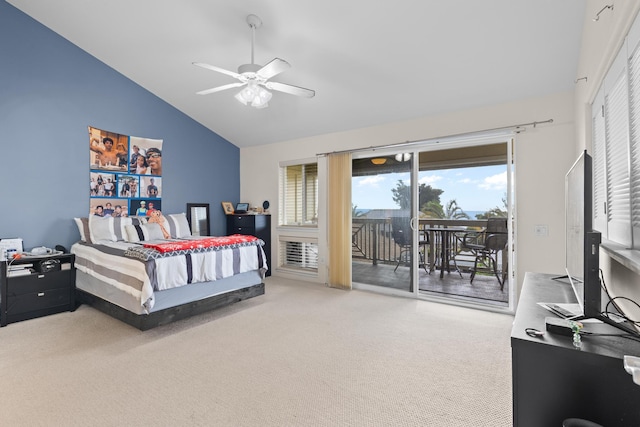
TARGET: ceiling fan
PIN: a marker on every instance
(256, 77)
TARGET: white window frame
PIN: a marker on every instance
(616, 147)
(305, 203)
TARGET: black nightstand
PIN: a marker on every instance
(254, 225)
(37, 294)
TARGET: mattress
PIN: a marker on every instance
(169, 298)
(138, 285)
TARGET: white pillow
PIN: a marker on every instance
(143, 232)
(177, 225)
(83, 228)
(119, 224)
(140, 219)
(118, 230)
(102, 228)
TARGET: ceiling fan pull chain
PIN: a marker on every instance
(254, 22)
(253, 40)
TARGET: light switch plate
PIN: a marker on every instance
(541, 230)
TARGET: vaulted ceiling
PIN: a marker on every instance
(369, 62)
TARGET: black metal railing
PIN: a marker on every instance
(372, 239)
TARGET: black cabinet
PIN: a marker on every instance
(37, 294)
(254, 225)
(553, 380)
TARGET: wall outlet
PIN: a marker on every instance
(541, 230)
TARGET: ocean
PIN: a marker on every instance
(472, 214)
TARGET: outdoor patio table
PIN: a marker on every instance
(442, 238)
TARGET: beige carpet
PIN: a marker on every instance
(301, 355)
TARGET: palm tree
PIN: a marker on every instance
(451, 211)
(433, 209)
(355, 213)
(495, 212)
(454, 211)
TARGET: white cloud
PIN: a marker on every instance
(495, 182)
(371, 181)
(430, 179)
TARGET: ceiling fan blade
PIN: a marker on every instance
(218, 69)
(293, 90)
(273, 68)
(219, 88)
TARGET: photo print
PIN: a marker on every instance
(125, 172)
(109, 207)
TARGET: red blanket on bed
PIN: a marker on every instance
(201, 243)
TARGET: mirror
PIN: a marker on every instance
(198, 217)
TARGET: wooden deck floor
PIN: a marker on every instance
(485, 289)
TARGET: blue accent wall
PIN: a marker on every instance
(50, 91)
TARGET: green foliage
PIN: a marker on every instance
(451, 211)
(497, 212)
(426, 194)
(433, 209)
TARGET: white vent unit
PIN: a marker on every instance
(298, 253)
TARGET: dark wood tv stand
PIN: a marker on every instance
(553, 380)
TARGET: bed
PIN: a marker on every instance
(128, 270)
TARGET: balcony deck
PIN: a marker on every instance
(374, 255)
(485, 289)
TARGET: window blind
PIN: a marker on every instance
(299, 194)
(634, 127)
(617, 160)
(616, 147)
(599, 173)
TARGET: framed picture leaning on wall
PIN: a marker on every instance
(228, 208)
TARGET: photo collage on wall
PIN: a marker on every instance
(126, 174)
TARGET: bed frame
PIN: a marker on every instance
(171, 314)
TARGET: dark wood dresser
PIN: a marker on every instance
(254, 225)
(37, 293)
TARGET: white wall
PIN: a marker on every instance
(601, 42)
(543, 155)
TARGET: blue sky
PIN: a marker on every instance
(475, 189)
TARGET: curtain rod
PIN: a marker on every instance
(516, 128)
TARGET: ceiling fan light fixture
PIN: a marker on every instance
(256, 95)
(261, 99)
(247, 94)
(240, 97)
(403, 157)
(256, 77)
(378, 160)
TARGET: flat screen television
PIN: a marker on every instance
(582, 242)
(582, 250)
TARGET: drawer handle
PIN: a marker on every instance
(40, 276)
(40, 294)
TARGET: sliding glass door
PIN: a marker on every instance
(417, 212)
(466, 217)
(382, 236)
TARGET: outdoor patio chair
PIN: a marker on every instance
(486, 245)
(401, 233)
